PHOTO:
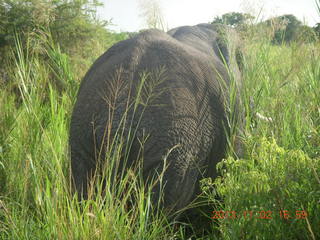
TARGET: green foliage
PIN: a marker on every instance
(306, 34)
(317, 29)
(286, 27)
(233, 19)
(279, 171)
(73, 25)
(35, 196)
(262, 189)
(66, 19)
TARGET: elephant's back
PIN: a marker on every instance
(181, 81)
(177, 74)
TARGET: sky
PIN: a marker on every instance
(126, 15)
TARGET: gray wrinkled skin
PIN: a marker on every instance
(186, 116)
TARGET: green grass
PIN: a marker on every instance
(279, 171)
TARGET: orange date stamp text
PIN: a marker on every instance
(283, 214)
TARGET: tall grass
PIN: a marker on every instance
(36, 201)
(281, 168)
(279, 172)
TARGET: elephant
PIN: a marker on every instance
(170, 92)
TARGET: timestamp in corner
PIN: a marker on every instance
(263, 214)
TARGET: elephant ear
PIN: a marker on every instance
(222, 49)
(239, 59)
(228, 47)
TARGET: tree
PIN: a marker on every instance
(316, 28)
(233, 19)
(70, 21)
(286, 28)
(72, 24)
(305, 34)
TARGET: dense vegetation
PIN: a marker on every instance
(284, 29)
(71, 25)
(273, 192)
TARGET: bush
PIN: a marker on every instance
(274, 193)
(73, 26)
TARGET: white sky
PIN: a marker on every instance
(126, 14)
